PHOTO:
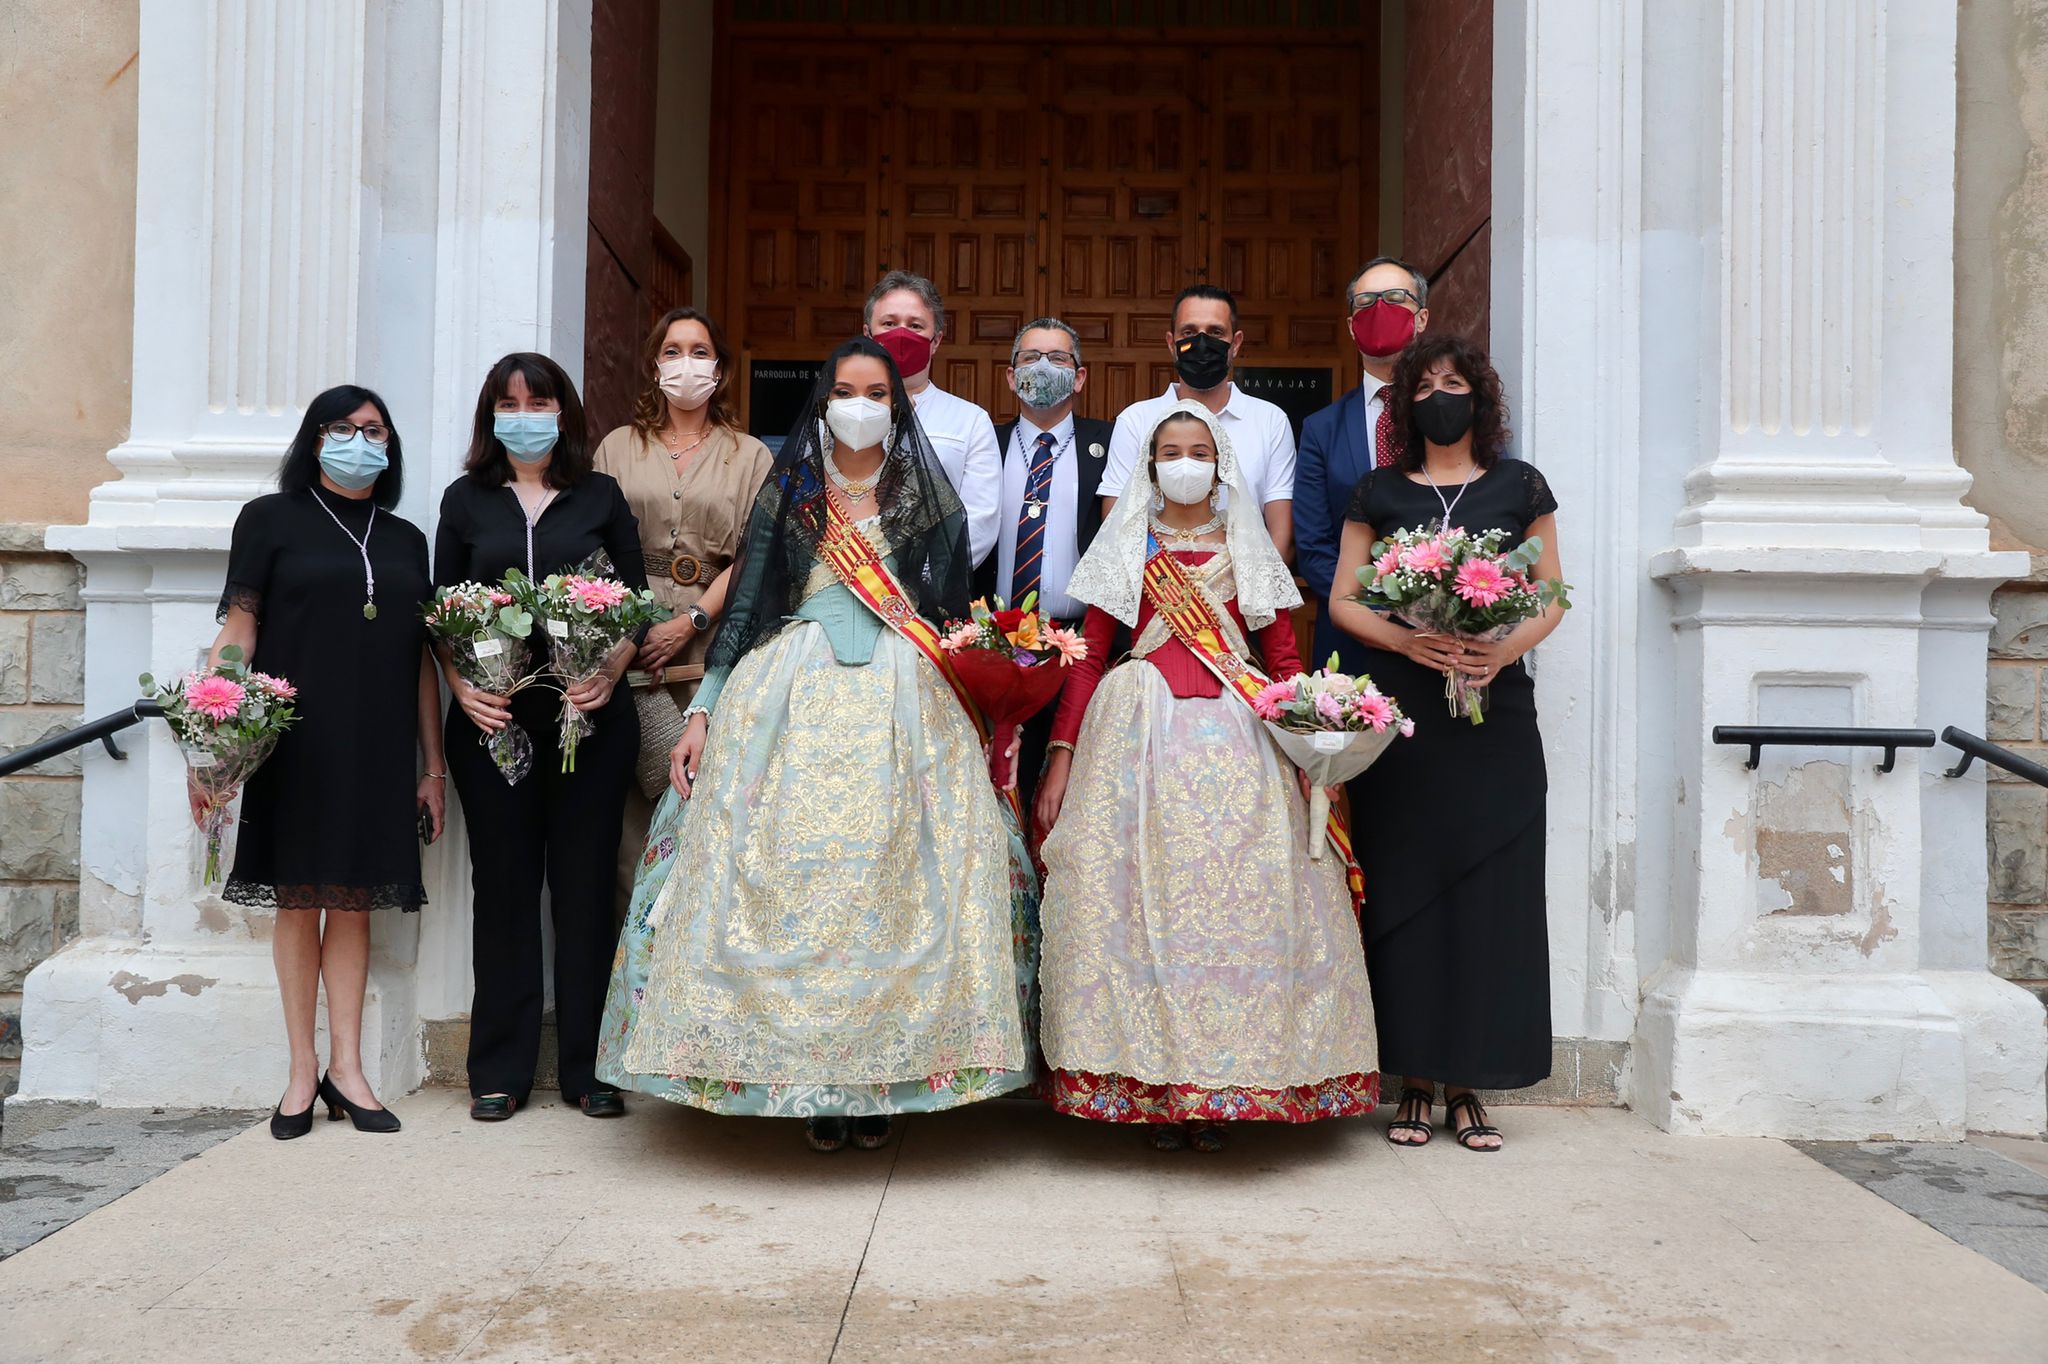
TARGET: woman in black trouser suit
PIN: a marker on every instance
(530, 500)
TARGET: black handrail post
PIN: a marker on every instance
(1974, 747)
(1756, 737)
(101, 730)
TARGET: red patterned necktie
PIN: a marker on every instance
(1383, 435)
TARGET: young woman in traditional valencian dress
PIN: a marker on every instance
(835, 916)
(1199, 965)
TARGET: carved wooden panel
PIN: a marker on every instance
(1076, 176)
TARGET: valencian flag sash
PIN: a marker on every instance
(1174, 596)
(852, 557)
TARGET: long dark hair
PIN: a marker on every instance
(651, 407)
(921, 520)
(1489, 408)
(301, 470)
(487, 461)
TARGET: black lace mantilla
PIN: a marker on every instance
(407, 899)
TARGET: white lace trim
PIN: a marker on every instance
(1111, 574)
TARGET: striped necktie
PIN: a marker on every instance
(1030, 559)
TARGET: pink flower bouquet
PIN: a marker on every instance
(485, 631)
(1332, 726)
(226, 721)
(583, 615)
(1453, 582)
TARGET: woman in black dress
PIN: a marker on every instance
(530, 500)
(328, 822)
(1455, 936)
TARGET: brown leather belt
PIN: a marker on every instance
(684, 570)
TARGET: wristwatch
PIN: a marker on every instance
(700, 619)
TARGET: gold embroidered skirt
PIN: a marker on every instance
(1196, 961)
(836, 932)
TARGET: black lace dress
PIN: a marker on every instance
(1456, 936)
(330, 820)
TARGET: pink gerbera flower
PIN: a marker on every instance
(1387, 562)
(1376, 711)
(963, 637)
(1481, 582)
(1072, 647)
(1407, 729)
(596, 594)
(1270, 698)
(277, 686)
(215, 697)
(1427, 557)
(501, 598)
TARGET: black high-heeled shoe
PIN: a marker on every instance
(365, 1119)
(284, 1126)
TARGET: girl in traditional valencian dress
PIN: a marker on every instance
(1199, 965)
(835, 917)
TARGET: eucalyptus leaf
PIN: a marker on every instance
(231, 653)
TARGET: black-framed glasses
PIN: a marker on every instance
(1061, 359)
(1367, 298)
(377, 433)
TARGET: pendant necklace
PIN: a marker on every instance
(1035, 507)
(676, 452)
(1451, 505)
(1185, 539)
(531, 518)
(362, 548)
(854, 489)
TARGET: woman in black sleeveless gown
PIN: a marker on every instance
(1455, 935)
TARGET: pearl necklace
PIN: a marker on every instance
(1184, 539)
(855, 490)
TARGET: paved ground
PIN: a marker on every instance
(1003, 1231)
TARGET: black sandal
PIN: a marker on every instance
(1476, 1129)
(1167, 1136)
(1206, 1137)
(825, 1134)
(871, 1133)
(1411, 1095)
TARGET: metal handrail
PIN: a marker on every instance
(1757, 737)
(1975, 746)
(103, 730)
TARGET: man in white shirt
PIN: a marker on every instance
(1052, 464)
(1387, 304)
(906, 316)
(1204, 342)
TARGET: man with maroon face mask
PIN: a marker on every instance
(1340, 444)
(906, 316)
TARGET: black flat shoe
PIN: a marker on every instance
(871, 1134)
(603, 1103)
(825, 1134)
(493, 1107)
(284, 1126)
(365, 1119)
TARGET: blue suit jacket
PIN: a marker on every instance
(1336, 451)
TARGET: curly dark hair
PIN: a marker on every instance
(650, 409)
(1489, 408)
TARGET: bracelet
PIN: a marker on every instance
(688, 711)
(1059, 743)
(437, 776)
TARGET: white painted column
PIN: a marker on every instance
(1820, 968)
(335, 191)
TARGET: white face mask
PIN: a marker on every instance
(857, 423)
(688, 380)
(1184, 480)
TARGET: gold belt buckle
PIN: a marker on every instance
(676, 574)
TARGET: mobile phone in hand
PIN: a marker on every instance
(426, 825)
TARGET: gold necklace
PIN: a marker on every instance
(1185, 539)
(676, 450)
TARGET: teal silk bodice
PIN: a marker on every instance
(850, 628)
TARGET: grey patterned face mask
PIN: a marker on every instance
(1042, 384)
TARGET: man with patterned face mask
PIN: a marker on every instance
(1386, 301)
(1052, 463)
(907, 318)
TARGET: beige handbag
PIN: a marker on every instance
(661, 722)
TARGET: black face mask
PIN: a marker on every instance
(1443, 418)
(1202, 360)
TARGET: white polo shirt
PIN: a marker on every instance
(1062, 514)
(1259, 432)
(964, 439)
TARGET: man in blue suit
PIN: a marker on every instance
(1387, 300)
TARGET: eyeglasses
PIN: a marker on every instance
(1401, 296)
(377, 433)
(1061, 359)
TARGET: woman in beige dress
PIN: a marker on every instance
(690, 475)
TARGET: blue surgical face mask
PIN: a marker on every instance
(353, 463)
(527, 436)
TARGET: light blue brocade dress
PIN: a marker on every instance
(843, 919)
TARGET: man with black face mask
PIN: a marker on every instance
(1387, 304)
(1204, 342)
